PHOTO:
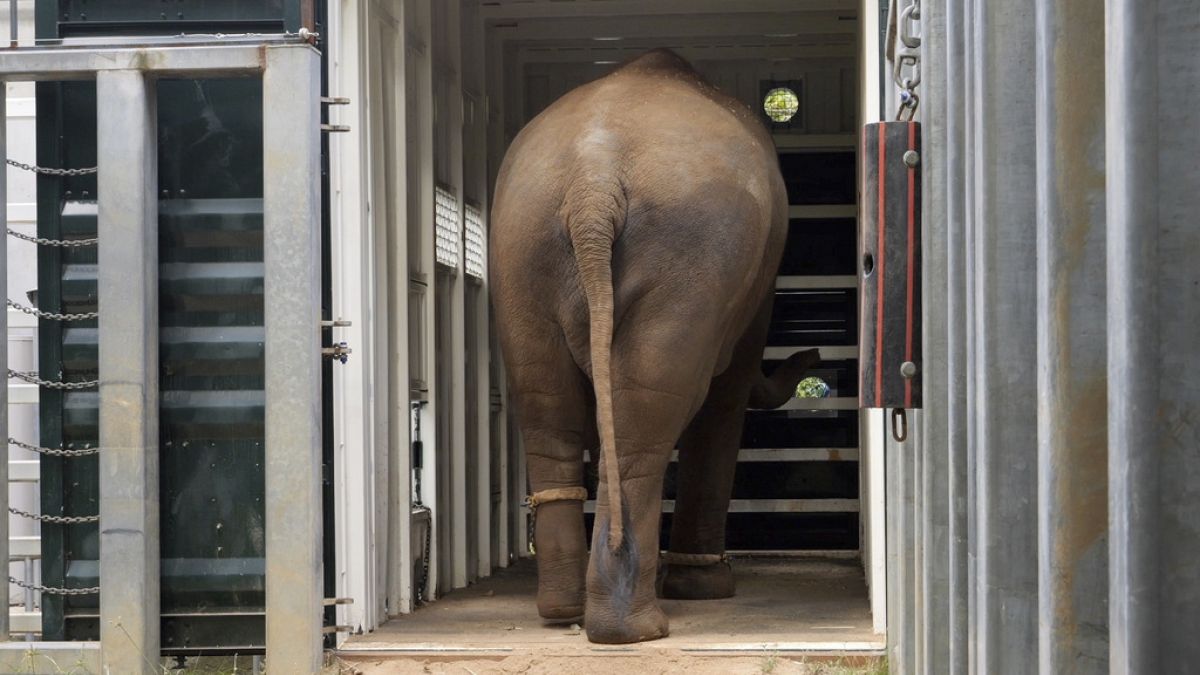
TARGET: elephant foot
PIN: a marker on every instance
(561, 561)
(560, 607)
(604, 628)
(694, 582)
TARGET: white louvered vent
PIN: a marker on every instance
(445, 226)
(475, 241)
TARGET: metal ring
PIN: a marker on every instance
(899, 424)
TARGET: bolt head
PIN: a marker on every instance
(911, 158)
(908, 370)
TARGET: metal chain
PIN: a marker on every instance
(907, 57)
(33, 311)
(63, 243)
(54, 452)
(46, 171)
(56, 520)
(422, 592)
(53, 590)
(51, 384)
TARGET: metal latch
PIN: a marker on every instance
(340, 351)
(337, 323)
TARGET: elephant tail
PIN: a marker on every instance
(593, 222)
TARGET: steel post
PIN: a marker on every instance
(127, 228)
(1071, 377)
(971, 361)
(956, 337)
(934, 448)
(4, 632)
(1152, 67)
(292, 292)
(1005, 328)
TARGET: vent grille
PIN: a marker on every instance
(475, 242)
(445, 225)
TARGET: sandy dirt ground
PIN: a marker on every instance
(794, 616)
(547, 662)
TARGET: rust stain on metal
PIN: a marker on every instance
(1078, 437)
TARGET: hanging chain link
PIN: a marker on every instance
(906, 61)
(46, 171)
(33, 311)
(423, 582)
(54, 590)
(54, 452)
(62, 243)
(51, 384)
(55, 520)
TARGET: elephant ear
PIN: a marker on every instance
(769, 393)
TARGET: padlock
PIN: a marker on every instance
(890, 267)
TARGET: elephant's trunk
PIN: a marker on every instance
(593, 222)
(768, 393)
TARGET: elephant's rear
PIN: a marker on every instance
(651, 149)
(637, 223)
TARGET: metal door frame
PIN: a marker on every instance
(126, 76)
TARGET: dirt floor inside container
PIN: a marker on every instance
(804, 614)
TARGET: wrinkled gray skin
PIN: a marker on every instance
(637, 228)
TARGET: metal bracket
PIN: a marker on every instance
(338, 352)
(335, 128)
(337, 323)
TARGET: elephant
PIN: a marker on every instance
(636, 231)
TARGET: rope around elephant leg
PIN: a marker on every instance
(694, 559)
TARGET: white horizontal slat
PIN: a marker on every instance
(823, 211)
(780, 455)
(828, 353)
(838, 403)
(19, 319)
(24, 471)
(24, 547)
(816, 282)
(24, 622)
(22, 216)
(22, 392)
(768, 506)
(798, 455)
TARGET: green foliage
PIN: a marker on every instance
(781, 104)
(812, 387)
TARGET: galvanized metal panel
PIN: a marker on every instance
(1152, 69)
(956, 450)
(292, 260)
(1072, 379)
(1005, 319)
(933, 627)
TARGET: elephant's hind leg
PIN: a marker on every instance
(695, 568)
(552, 407)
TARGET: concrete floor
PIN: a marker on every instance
(810, 605)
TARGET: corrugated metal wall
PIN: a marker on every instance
(1049, 507)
